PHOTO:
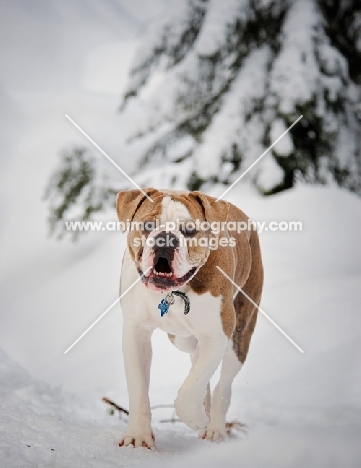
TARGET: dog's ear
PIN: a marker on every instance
(220, 211)
(129, 201)
(212, 210)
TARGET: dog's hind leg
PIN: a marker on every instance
(221, 399)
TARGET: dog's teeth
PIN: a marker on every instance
(161, 273)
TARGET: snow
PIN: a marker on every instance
(161, 36)
(269, 173)
(231, 118)
(44, 426)
(285, 146)
(295, 71)
(162, 89)
(290, 402)
(300, 409)
(216, 22)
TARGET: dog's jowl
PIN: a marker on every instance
(175, 244)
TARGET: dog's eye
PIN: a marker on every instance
(148, 227)
(189, 231)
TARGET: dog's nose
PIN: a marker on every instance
(165, 243)
(164, 247)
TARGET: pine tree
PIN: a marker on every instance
(222, 79)
(218, 82)
(76, 191)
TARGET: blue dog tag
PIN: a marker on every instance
(163, 307)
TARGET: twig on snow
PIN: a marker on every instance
(115, 406)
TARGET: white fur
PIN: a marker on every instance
(173, 210)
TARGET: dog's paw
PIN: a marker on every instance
(137, 439)
(214, 434)
(194, 416)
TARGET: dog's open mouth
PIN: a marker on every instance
(162, 277)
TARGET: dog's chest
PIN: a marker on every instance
(203, 316)
(141, 305)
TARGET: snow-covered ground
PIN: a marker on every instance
(300, 409)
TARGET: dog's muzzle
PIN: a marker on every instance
(164, 248)
(162, 275)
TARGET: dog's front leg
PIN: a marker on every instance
(137, 353)
(189, 403)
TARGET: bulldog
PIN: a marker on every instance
(172, 277)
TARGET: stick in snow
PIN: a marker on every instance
(114, 405)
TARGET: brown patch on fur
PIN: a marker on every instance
(133, 205)
(246, 312)
(243, 264)
(129, 201)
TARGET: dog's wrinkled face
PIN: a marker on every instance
(174, 259)
(168, 238)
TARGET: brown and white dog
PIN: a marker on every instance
(221, 320)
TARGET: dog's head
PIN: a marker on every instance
(170, 238)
